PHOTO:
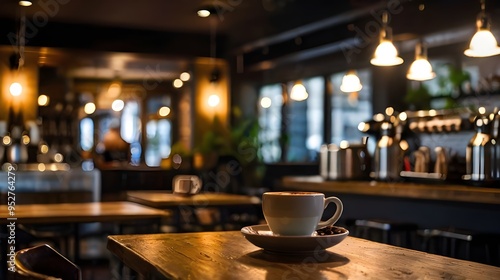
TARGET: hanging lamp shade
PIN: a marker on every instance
(299, 92)
(483, 43)
(351, 82)
(420, 69)
(386, 53)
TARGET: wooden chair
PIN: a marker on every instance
(44, 263)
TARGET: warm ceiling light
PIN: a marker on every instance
(420, 69)
(164, 111)
(351, 82)
(16, 89)
(265, 102)
(299, 92)
(203, 13)
(89, 108)
(185, 76)
(43, 100)
(213, 100)
(483, 43)
(25, 3)
(177, 83)
(386, 53)
(117, 105)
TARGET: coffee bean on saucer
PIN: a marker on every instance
(329, 230)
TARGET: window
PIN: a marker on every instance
(304, 122)
(87, 134)
(159, 144)
(293, 131)
(130, 129)
(158, 131)
(271, 102)
(349, 109)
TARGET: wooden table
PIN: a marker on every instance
(117, 211)
(169, 200)
(77, 213)
(228, 255)
(165, 199)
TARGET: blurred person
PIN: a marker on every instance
(113, 150)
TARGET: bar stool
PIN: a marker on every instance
(458, 243)
(385, 231)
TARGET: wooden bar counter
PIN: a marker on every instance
(475, 209)
(446, 192)
(228, 255)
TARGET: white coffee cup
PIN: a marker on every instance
(186, 184)
(295, 213)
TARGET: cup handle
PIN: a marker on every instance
(336, 216)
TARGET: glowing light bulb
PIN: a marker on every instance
(213, 100)
(16, 89)
(117, 105)
(265, 102)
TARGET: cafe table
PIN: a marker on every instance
(182, 202)
(75, 214)
(228, 255)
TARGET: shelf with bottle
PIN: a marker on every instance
(440, 121)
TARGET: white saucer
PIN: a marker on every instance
(262, 237)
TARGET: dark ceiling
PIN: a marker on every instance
(241, 20)
(262, 33)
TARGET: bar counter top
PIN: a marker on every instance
(445, 192)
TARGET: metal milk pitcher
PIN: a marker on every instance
(349, 161)
(388, 159)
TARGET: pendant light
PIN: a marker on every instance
(483, 43)
(25, 3)
(351, 82)
(386, 53)
(420, 69)
(16, 60)
(299, 92)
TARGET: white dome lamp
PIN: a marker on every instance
(420, 69)
(299, 92)
(483, 43)
(351, 82)
(386, 53)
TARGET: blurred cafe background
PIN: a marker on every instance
(342, 97)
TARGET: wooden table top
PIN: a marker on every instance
(165, 199)
(446, 192)
(80, 212)
(228, 255)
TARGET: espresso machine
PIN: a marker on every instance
(426, 145)
(483, 149)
